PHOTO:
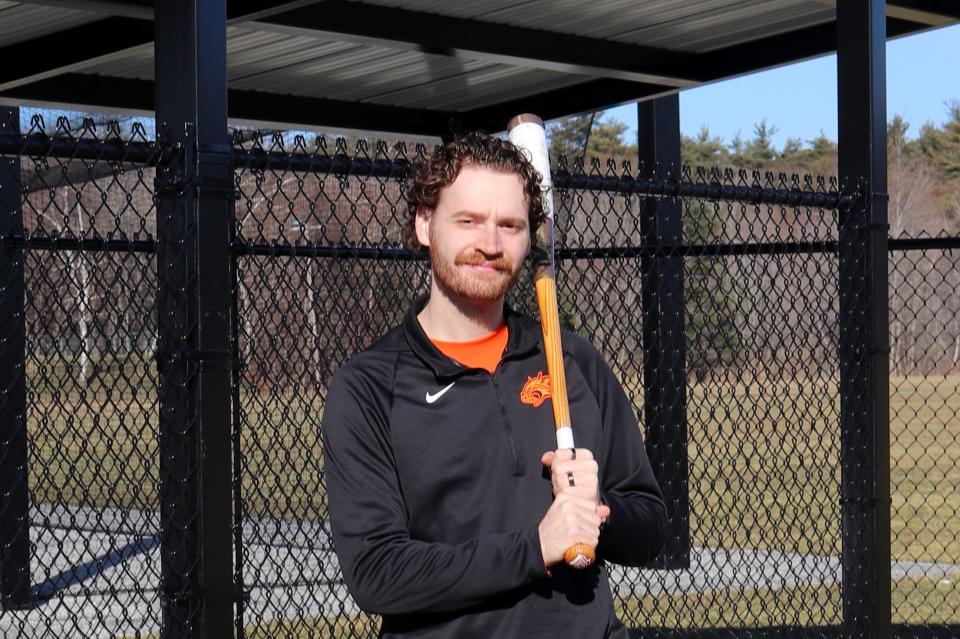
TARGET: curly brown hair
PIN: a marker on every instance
(433, 175)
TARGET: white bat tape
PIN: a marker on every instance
(532, 138)
(565, 437)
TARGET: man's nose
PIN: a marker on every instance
(488, 242)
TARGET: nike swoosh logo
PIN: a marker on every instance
(432, 398)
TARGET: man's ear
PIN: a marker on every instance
(422, 225)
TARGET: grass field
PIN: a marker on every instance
(764, 474)
(917, 602)
(913, 601)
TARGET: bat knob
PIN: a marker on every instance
(579, 556)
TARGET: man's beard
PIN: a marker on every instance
(471, 285)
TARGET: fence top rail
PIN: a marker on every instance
(391, 252)
(752, 188)
(70, 148)
(712, 188)
(942, 242)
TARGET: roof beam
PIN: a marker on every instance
(290, 110)
(588, 96)
(246, 10)
(785, 48)
(934, 13)
(931, 13)
(72, 49)
(477, 40)
(142, 9)
(129, 28)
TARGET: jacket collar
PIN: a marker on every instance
(521, 339)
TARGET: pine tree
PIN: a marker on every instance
(711, 321)
(818, 158)
(760, 152)
(949, 149)
(588, 135)
(703, 150)
(792, 150)
(929, 141)
(949, 159)
(822, 146)
(738, 150)
(568, 137)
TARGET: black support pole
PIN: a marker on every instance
(863, 348)
(194, 222)
(14, 496)
(663, 317)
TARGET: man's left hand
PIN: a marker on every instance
(583, 470)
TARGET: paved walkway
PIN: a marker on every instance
(96, 572)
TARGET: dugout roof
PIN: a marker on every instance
(424, 66)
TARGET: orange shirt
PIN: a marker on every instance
(482, 353)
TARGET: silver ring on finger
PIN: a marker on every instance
(570, 479)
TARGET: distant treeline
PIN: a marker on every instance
(924, 172)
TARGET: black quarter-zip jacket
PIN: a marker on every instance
(436, 489)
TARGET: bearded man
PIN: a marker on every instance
(450, 509)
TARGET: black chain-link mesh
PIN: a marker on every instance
(925, 434)
(760, 373)
(79, 239)
(736, 382)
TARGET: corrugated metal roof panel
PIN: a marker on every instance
(720, 27)
(346, 81)
(491, 85)
(668, 24)
(135, 63)
(280, 63)
(21, 21)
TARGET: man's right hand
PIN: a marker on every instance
(569, 520)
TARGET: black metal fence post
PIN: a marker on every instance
(864, 351)
(663, 317)
(14, 497)
(194, 227)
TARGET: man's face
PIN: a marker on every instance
(478, 234)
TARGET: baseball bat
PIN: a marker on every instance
(526, 131)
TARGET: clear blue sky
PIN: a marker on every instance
(801, 99)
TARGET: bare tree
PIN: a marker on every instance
(911, 184)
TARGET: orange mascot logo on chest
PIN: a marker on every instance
(536, 390)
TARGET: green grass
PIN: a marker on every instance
(764, 473)
(921, 601)
(97, 444)
(914, 602)
(764, 467)
(342, 627)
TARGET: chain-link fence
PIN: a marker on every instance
(731, 306)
